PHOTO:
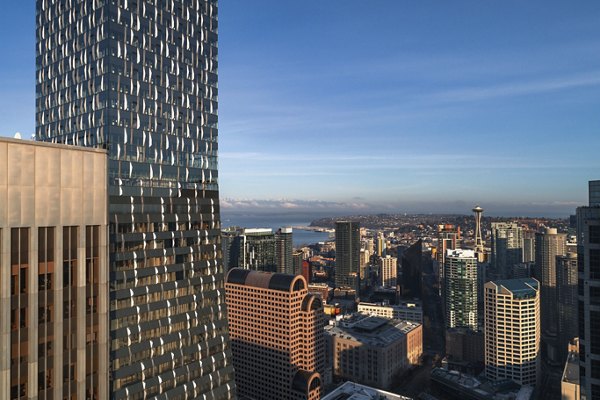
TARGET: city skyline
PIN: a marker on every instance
(388, 124)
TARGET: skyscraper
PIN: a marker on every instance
(257, 250)
(548, 245)
(388, 271)
(412, 270)
(528, 246)
(507, 248)
(277, 335)
(448, 238)
(284, 247)
(347, 254)
(460, 289)
(512, 330)
(53, 272)
(588, 254)
(566, 282)
(139, 78)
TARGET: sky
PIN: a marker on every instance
(387, 105)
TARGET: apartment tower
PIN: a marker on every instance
(460, 289)
(588, 254)
(347, 255)
(139, 79)
(284, 251)
(53, 272)
(276, 330)
(388, 271)
(512, 330)
(507, 248)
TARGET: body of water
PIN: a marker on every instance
(300, 237)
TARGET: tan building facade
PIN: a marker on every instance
(388, 271)
(408, 311)
(512, 330)
(53, 271)
(276, 331)
(373, 350)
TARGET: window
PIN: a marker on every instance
(595, 234)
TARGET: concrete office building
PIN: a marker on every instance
(388, 271)
(405, 311)
(373, 350)
(566, 281)
(354, 391)
(512, 330)
(53, 272)
(139, 78)
(276, 330)
(347, 255)
(460, 289)
(588, 253)
(548, 245)
(284, 248)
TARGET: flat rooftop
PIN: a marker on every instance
(355, 391)
(371, 330)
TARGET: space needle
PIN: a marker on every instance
(479, 248)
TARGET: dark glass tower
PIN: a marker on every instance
(139, 78)
(347, 255)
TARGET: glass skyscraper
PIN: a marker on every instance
(139, 78)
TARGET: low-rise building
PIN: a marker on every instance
(373, 350)
(570, 384)
(454, 385)
(409, 311)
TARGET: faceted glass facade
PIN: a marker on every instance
(139, 78)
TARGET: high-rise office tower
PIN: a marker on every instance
(566, 282)
(528, 246)
(588, 254)
(297, 260)
(412, 271)
(479, 245)
(284, 248)
(257, 250)
(388, 271)
(277, 335)
(53, 272)
(139, 78)
(347, 254)
(548, 245)
(512, 330)
(507, 248)
(460, 289)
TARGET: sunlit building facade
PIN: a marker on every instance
(276, 334)
(53, 272)
(139, 79)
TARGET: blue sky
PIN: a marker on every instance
(388, 105)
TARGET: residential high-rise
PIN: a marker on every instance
(460, 289)
(139, 78)
(412, 271)
(507, 248)
(548, 245)
(528, 246)
(258, 250)
(297, 260)
(566, 282)
(479, 245)
(388, 271)
(54, 337)
(277, 335)
(448, 238)
(380, 244)
(588, 254)
(347, 254)
(512, 330)
(284, 248)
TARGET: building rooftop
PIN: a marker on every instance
(370, 330)
(520, 288)
(571, 372)
(265, 280)
(460, 253)
(355, 391)
(25, 142)
(480, 388)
